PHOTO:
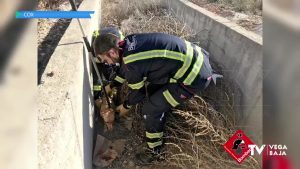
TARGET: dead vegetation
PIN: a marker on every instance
(195, 135)
(246, 13)
(196, 131)
(143, 16)
(245, 6)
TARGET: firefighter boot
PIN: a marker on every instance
(147, 156)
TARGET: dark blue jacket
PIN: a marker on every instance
(160, 58)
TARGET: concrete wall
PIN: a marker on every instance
(239, 54)
(18, 120)
(65, 103)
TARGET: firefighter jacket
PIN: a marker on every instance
(160, 58)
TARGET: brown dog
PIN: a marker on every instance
(108, 114)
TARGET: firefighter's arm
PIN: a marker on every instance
(137, 89)
(117, 81)
(136, 84)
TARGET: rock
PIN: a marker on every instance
(50, 74)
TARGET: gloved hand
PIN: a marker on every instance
(111, 91)
(122, 110)
(108, 89)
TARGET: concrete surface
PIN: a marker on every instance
(18, 120)
(65, 103)
(239, 54)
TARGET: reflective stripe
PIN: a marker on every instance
(154, 135)
(187, 61)
(97, 88)
(173, 80)
(196, 68)
(96, 33)
(170, 98)
(119, 79)
(137, 85)
(154, 54)
(121, 35)
(155, 144)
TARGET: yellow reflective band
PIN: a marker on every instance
(155, 144)
(173, 80)
(154, 54)
(170, 98)
(97, 88)
(121, 35)
(119, 79)
(154, 135)
(187, 61)
(137, 85)
(196, 68)
(96, 33)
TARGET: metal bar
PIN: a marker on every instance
(89, 48)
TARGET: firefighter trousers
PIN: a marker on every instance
(160, 100)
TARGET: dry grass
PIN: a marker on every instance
(246, 6)
(143, 16)
(195, 132)
(195, 135)
(50, 4)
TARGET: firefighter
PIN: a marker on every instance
(173, 69)
(105, 69)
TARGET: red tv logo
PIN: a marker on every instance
(237, 146)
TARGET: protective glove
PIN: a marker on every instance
(111, 91)
(108, 89)
(122, 110)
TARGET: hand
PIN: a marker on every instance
(122, 110)
(108, 89)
